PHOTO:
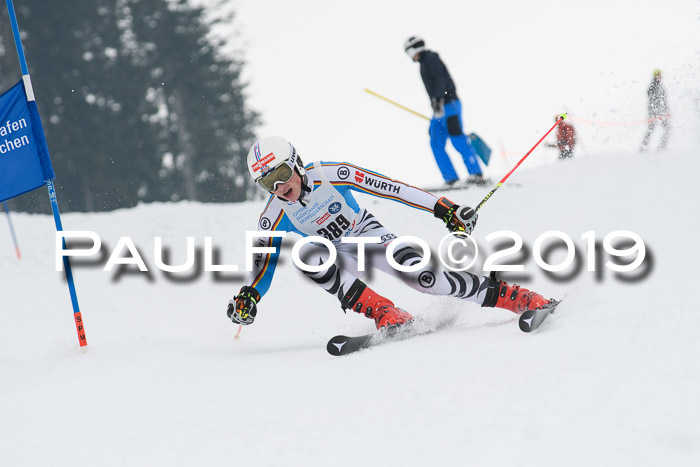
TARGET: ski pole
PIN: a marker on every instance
(12, 230)
(561, 117)
(238, 334)
(396, 104)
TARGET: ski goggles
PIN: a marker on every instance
(280, 174)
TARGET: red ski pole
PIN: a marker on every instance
(561, 117)
(12, 230)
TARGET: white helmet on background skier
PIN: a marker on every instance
(414, 45)
(272, 160)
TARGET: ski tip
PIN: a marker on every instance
(525, 321)
(335, 345)
(531, 319)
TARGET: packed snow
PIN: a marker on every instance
(609, 379)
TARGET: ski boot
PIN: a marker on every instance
(512, 297)
(361, 299)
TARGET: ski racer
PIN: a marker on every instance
(317, 200)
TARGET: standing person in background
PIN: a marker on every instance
(566, 139)
(447, 113)
(658, 112)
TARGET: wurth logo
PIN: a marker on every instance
(382, 185)
(263, 162)
(359, 176)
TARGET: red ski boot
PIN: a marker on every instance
(362, 299)
(512, 297)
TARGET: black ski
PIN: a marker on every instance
(461, 185)
(343, 345)
(532, 319)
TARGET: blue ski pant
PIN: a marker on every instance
(450, 125)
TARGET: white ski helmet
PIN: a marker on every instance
(414, 45)
(272, 159)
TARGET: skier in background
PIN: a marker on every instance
(566, 139)
(447, 113)
(316, 200)
(658, 112)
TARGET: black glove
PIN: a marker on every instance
(458, 219)
(438, 105)
(244, 306)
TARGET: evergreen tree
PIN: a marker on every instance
(137, 103)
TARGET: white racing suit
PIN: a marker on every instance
(331, 211)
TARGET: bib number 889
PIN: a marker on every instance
(335, 228)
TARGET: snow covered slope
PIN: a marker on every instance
(610, 379)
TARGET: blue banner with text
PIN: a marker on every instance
(24, 156)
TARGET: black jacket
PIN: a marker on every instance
(436, 78)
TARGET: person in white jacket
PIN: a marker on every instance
(317, 200)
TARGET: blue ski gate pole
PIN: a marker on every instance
(49, 183)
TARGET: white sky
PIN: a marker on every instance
(516, 64)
